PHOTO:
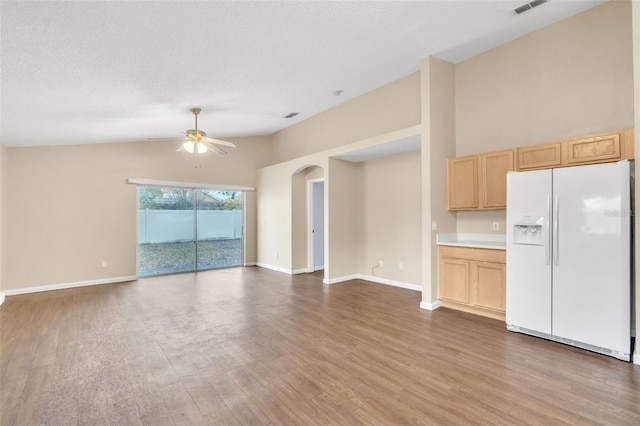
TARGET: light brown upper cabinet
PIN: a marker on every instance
(462, 183)
(540, 156)
(493, 178)
(596, 149)
(479, 181)
(599, 148)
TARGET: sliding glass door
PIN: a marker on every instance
(220, 220)
(166, 230)
(182, 229)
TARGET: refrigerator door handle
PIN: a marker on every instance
(556, 243)
(547, 244)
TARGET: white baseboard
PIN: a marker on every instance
(274, 268)
(386, 281)
(250, 264)
(371, 278)
(318, 268)
(63, 286)
(636, 359)
(430, 306)
(340, 279)
(283, 270)
(1, 297)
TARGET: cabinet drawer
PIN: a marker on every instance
(469, 253)
(597, 149)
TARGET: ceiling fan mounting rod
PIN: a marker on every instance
(195, 112)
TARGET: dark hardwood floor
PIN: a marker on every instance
(256, 347)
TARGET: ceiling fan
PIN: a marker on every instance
(197, 141)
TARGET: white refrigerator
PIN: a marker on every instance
(569, 237)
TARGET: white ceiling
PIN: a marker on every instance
(114, 71)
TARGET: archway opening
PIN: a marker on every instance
(308, 220)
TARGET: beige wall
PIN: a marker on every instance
(343, 217)
(250, 228)
(280, 195)
(274, 208)
(391, 107)
(481, 222)
(386, 114)
(438, 144)
(570, 79)
(3, 214)
(276, 238)
(388, 217)
(299, 221)
(69, 207)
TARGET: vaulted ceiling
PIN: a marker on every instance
(94, 72)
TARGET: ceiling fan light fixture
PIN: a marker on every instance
(191, 146)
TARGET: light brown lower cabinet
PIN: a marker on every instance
(472, 280)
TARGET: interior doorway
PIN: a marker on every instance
(315, 224)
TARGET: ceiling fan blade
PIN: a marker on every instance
(214, 148)
(220, 142)
(180, 148)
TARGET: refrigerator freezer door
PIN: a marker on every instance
(591, 284)
(528, 265)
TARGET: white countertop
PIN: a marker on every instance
(488, 241)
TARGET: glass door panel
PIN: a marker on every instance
(220, 227)
(166, 230)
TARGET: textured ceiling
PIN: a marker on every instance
(90, 72)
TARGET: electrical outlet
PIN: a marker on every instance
(496, 226)
(434, 225)
(104, 263)
(401, 266)
(380, 263)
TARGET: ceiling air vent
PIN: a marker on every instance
(293, 114)
(528, 6)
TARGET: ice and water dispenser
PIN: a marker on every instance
(529, 230)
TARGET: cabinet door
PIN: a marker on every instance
(493, 178)
(539, 156)
(453, 282)
(489, 284)
(596, 149)
(462, 183)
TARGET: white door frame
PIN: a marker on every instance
(310, 239)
